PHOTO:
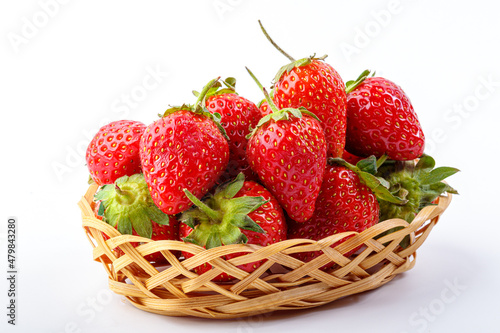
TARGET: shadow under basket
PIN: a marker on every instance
(282, 282)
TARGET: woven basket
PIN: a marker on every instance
(281, 283)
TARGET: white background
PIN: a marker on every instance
(67, 68)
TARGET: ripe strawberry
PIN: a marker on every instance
(287, 150)
(184, 149)
(114, 151)
(344, 204)
(237, 114)
(127, 205)
(381, 120)
(239, 212)
(315, 85)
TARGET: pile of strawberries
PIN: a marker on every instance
(316, 157)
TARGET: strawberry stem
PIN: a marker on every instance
(266, 94)
(123, 196)
(274, 44)
(199, 102)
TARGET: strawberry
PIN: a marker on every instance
(127, 205)
(381, 120)
(237, 114)
(315, 85)
(114, 151)
(183, 149)
(239, 212)
(344, 204)
(287, 150)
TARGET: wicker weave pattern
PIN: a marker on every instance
(281, 283)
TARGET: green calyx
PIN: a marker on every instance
(353, 84)
(366, 170)
(297, 63)
(127, 205)
(219, 218)
(420, 184)
(218, 88)
(199, 107)
(276, 114)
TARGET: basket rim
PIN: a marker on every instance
(427, 213)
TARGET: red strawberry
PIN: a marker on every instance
(287, 150)
(344, 204)
(239, 212)
(184, 149)
(128, 206)
(381, 120)
(238, 114)
(114, 151)
(315, 85)
(320, 89)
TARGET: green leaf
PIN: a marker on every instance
(190, 240)
(214, 215)
(243, 205)
(438, 175)
(217, 116)
(342, 162)
(304, 111)
(101, 210)
(425, 164)
(353, 84)
(233, 187)
(246, 222)
(174, 109)
(405, 242)
(303, 62)
(124, 225)
(282, 70)
(295, 112)
(102, 194)
(431, 192)
(141, 223)
(157, 215)
(113, 214)
(368, 164)
(188, 220)
(230, 82)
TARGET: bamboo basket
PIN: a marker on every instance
(282, 282)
